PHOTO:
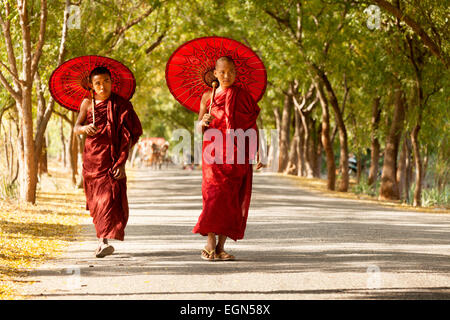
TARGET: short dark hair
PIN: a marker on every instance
(225, 58)
(99, 70)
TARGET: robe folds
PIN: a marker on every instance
(119, 129)
(227, 185)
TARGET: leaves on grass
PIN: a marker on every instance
(32, 234)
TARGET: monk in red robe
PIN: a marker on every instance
(226, 185)
(117, 128)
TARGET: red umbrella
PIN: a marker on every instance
(69, 83)
(189, 71)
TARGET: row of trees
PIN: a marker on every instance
(368, 78)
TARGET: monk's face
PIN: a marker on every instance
(101, 84)
(225, 73)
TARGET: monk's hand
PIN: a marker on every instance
(90, 129)
(119, 173)
(206, 120)
(259, 165)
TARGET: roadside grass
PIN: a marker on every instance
(320, 186)
(32, 234)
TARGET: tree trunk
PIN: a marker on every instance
(45, 110)
(308, 147)
(343, 157)
(425, 167)
(401, 171)
(292, 165)
(417, 201)
(375, 144)
(285, 131)
(22, 88)
(359, 167)
(11, 172)
(63, 142)
(73, 150)
(81, 141)
(28, 180)
(301, 163)
(317, 152)
(389, 187)
(408, 167)
(325, 137)
(273, 147)
(295, 163)
(43, 167)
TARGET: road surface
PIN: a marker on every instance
(298, 245)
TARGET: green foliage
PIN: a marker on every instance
(436, 198)
(8, 190)
(367, 62)
(363, 188)
(432, 197)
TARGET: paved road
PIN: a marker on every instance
(298, 245)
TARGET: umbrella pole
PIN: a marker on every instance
(93, 107)
(214, 84)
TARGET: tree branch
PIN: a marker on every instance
(44, 115)
(38, 51)
(121, 30)
(5, 83)
(415, 27)
(63, 116)
(298, 34)
(9, 46)
(16, 79)
(285, 22)
(26, 41)
(156, 43)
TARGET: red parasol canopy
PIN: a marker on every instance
(69, 83)
(189, 71)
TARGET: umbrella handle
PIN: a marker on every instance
(93, 107)
(214, 84)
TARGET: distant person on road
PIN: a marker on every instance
(117, 128)
(226, 187)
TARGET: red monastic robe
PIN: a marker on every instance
(119, 129)
(227, 187)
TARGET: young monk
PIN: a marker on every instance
(117, 128)
(226, 187)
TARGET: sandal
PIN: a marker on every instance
(104, 250)
(224, 256)
(208, 255)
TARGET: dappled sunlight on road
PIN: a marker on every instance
(297, 245)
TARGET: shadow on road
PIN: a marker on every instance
(289, 230)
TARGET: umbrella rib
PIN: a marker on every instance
(179, 95)
(206, 57)
(235, 49)
(72, 94)
(187, 89)
(195, 68)
(196, 82)
(193, 73)
(202, 62)
(198, 98)
(81, 69)
(188, 98)
(66, 91)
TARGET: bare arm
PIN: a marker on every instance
(204, 118)
(79, 128)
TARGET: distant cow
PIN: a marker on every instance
(163, 156)
(149, 150)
